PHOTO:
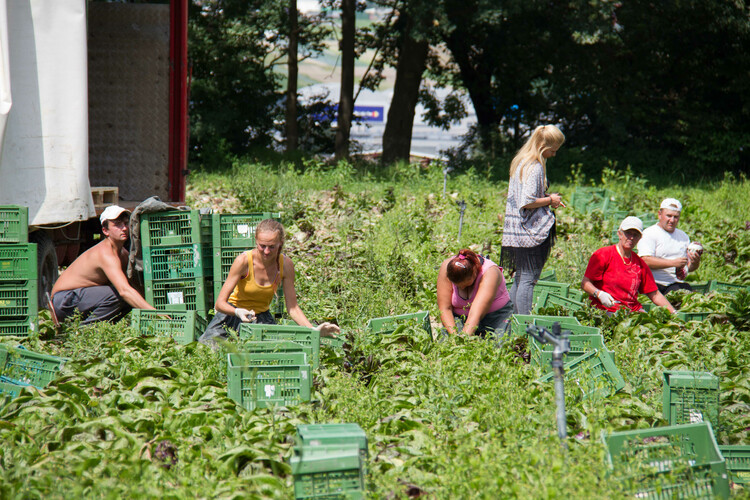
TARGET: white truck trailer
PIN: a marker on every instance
(93, 112)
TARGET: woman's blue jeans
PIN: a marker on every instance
(522, 291)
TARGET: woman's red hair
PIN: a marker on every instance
(463, 266)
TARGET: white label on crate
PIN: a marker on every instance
(175, 298)
(196, 256)
(304, 375)
(243, 229)
(270, 390)
(696, 416)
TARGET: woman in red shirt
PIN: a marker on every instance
(616, 275)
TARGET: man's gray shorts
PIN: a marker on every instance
(96, 303)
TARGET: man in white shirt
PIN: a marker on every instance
(664, 248)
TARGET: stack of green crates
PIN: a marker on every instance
(680, 461)
(519, 322)
(232, 234)
(388, 324)
(183, 326)
(264, 379)
(20, 368)
(18, 273)
(689, 397)
(329, 461)
(173, 266)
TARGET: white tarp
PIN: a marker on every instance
(44, 110)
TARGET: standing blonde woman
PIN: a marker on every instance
(529, 231)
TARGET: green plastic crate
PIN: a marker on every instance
(22, 367)
(309, 337)
(178, 295)
(310, 435)
(694, 316)
(592, 373)
(388, 324)
(548, 275)
(737, 458)
(722, 287)
(170, 228)
(279, 346)
(238, 230)
(701, 287)
(22, 327)
(173, 262)
(335, 343)
(296, 358)
(519, 322)
(541, 354)
(14, 224)
(547, 299)
(18, 300)
(553, 287)
(9, 391)
(689, 397)
(588, 199)
(681, 461)
(183, 326)
(18, 262)
(256, 386)
(328, 472)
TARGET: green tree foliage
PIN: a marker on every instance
(234, 49)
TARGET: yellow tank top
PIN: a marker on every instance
(250, 295)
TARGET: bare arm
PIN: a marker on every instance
(444, 293)
(483, 299)
(659, 299)
(588, 286)
(660, 263)
(290, 295)
(554, 200)
(112, 267)
(238, 270)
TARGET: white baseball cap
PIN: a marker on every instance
(112, 212)
(671, 204)
(631, 223)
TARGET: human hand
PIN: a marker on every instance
(327, 329)
(244, 315)
(680, 262)
(606, 299)
(555, 200)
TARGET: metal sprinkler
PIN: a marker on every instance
(561, 342)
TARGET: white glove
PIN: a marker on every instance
(244, 315)
(328, 329)
(606, 299)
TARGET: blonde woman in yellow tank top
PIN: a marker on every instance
(253, 279)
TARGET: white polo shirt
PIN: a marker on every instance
(656, 242)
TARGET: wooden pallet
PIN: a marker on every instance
(104, 196)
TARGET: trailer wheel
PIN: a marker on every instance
(46, 265)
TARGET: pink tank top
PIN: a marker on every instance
(461, 306)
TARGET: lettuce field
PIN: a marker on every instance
(132, 416)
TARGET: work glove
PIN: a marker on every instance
(327, 329)
(606, 299)
(245, 315)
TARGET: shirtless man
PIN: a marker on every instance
(95, 283)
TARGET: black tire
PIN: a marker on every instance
(47, 269)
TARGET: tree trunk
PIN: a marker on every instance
(412, 57)
(292, 132)
(346, 98)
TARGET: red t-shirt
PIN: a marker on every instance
(622, 281)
